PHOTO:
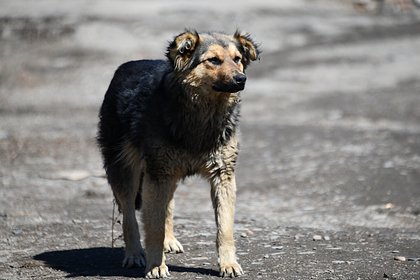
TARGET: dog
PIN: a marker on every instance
(164, 120)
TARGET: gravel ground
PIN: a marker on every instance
(329, 169)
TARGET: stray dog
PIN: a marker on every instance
(164, 120)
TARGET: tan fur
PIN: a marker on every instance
(134, 254)
(250, 48)
(171, 244)
(205, 74)
(158, 217)
(154, 218)
(181, 49)
(220, 171)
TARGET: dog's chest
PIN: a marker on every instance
(176, 162)
(203, 130)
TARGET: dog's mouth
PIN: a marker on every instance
(228, 87)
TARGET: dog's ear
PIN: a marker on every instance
(247, 47)
(180, 50)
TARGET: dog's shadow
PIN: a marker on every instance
(101, 261)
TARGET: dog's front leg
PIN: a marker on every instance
(223, 192)
(156, 196)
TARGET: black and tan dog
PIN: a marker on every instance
(164, 120)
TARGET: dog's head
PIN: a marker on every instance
(213, 62)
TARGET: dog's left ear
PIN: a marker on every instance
(247, 47)
(180, 50)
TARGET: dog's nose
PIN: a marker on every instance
(240, 79)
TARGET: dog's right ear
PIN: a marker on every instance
(180, 50)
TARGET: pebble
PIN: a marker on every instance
(388, 164)
(277, 247)
(69, 175)
(244, 235)
(361, 179)
(334, 248)
(3, 134)
(400, 258)
(338, 262)
(327, 238)
(306, 253)
(413, 259)
(317, 237)
(199, 258)
(17, 232)
(76, 221)
(389, 206)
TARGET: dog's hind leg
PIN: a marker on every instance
(171, 244)
(125, 185)
(157, 195)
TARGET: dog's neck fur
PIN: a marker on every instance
(200, 121)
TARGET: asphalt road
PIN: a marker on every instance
(329, 168)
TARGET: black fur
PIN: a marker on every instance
(145, 101)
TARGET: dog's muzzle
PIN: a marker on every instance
(237, 84)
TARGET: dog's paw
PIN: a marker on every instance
(134, 261)
(172, 245)
(231, 270)
(157, 272)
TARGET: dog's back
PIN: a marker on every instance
(124, 110)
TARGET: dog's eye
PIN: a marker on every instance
(237, 59)
(215, 60)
